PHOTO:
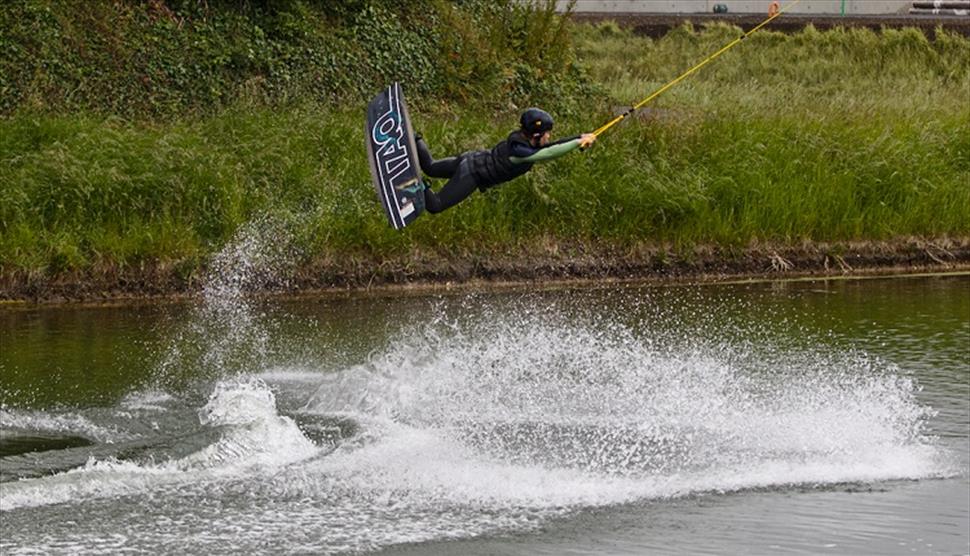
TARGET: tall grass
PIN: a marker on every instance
(816, 136)
(846, 134)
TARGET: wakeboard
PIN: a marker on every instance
(393, 157)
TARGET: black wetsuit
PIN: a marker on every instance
(477, 169)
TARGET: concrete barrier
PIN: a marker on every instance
(941, 7)
(807, 7)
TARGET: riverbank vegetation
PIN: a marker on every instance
(837, 136)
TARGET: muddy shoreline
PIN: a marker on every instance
(553, 264)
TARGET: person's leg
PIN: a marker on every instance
(455, 191)
(444, 168)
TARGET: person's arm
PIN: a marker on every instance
(548, 152)
(521, 153)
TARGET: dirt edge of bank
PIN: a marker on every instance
(550, 263)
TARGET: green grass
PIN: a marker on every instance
(165, 59)
(817, 136)
(846, 134)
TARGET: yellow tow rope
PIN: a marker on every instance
(682, 76)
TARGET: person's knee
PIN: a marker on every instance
(431, 202)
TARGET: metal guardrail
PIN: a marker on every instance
(941, 7)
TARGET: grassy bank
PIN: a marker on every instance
(166, 59)
(813, 137)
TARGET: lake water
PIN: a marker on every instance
(808, 417)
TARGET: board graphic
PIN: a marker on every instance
(394, 157)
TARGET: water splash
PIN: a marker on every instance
(227, 333)
(256, 435)
(146, 400)
(254, 439)
(224, 341)
(615, 400)
(19, 421)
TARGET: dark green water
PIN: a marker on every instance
(805, 417)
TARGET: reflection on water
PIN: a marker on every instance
(827, 416)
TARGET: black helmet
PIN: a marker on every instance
(535, 121)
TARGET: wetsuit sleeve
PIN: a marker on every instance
(549, 152)
(518, 149)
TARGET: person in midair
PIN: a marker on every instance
(506, 161)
